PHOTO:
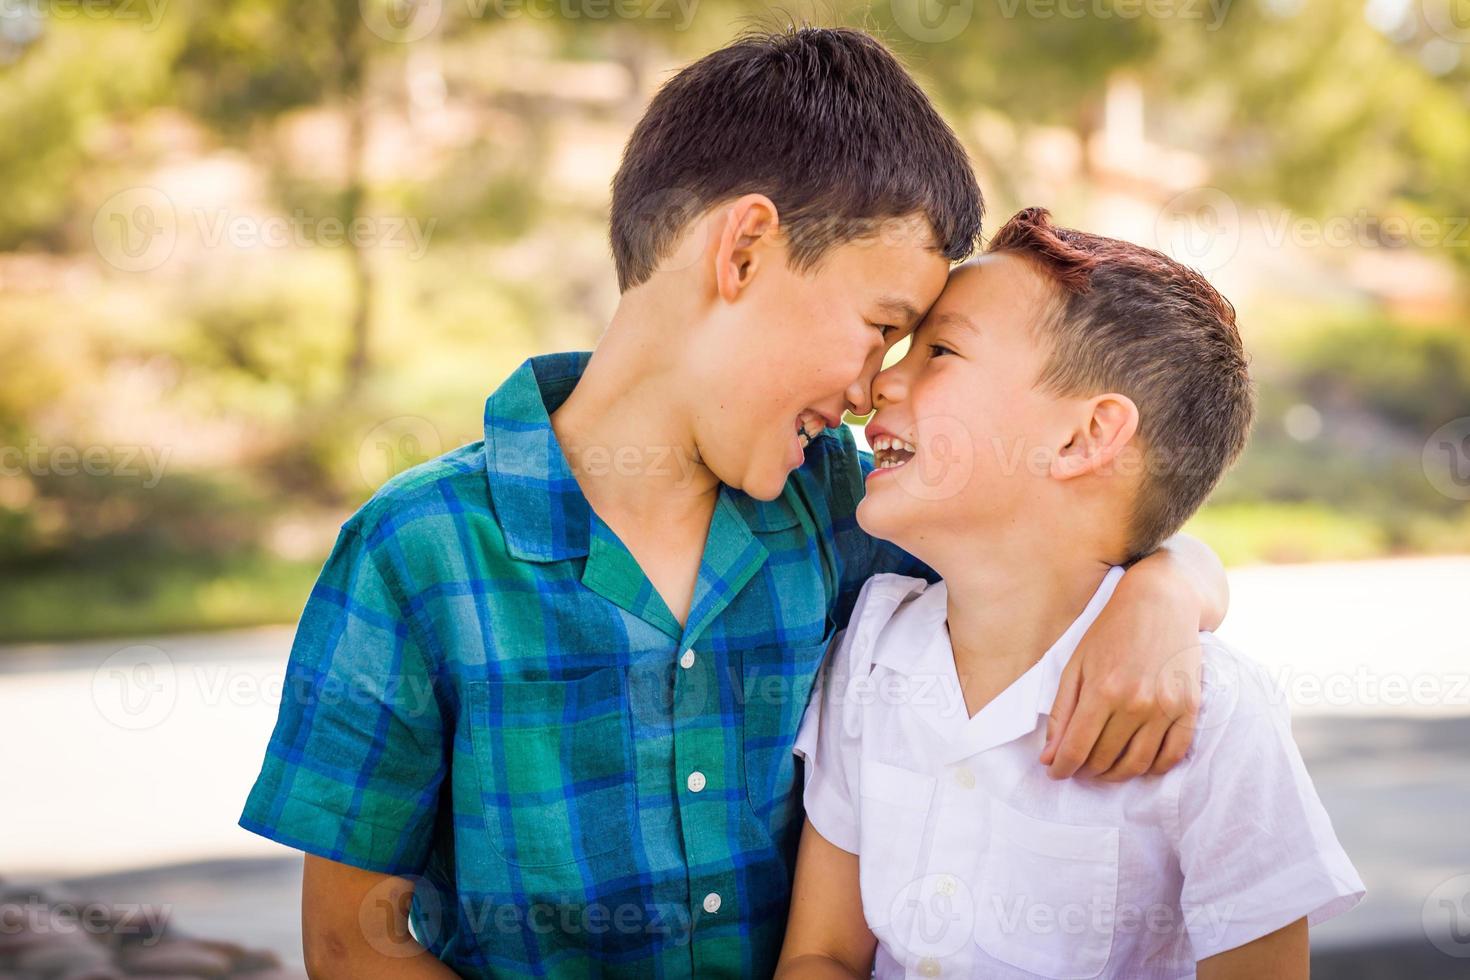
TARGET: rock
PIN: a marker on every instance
(63, 957)
(181, 957)
(95, 973)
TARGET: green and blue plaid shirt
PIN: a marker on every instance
(487, 696)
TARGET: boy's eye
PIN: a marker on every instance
(938, 350)
(885, 329)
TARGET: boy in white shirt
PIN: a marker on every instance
(1067, 403)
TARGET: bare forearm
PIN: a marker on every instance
(368, 964)
(354, 926)
(1282, 955)
(1188, 562)
(814, 967)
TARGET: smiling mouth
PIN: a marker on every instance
(808, 428)
(890, 453)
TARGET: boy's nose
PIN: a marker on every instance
(888, 387)
(859, 401)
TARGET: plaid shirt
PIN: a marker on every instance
(486, 695)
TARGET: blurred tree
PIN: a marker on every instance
(243, 63)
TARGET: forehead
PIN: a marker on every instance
(995, 289)
(892, 261)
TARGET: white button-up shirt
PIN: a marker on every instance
(975, 863)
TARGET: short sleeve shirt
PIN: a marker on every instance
(974, 862)
(486, 695)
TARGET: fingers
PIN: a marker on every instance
(1077, 740)
(1143, 748)
(1176, 743)
(1113, 742)
(1062, 710)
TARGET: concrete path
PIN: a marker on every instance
(131, 760)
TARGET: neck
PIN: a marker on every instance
(623, 429)
(1008, 606)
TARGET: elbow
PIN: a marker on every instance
(328, 955)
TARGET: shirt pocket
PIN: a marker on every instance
(556, 767)
(892, 814)
(1046, 895)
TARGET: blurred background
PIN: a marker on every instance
(256, 257)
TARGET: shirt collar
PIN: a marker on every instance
(1055, 660)
(538, 503)
(915, 642)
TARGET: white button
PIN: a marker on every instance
(712, 903)
(946, 886)
(929, 967)
(965, 778)
(696, 781)
(687, 660)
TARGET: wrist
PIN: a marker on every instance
(1158, 579)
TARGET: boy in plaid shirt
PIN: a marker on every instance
(544, 696)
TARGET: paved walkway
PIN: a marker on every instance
(159, 741)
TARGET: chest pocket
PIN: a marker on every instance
(893, 811)
(777, 684)
(1047, 894)
(556, 767)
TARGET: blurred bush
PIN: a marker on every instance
(239, 398)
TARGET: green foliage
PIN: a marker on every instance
(298, 360)
(57, 106)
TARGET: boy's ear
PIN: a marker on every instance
(750, 221)
(1104, 432)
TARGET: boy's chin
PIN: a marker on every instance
(889, 515)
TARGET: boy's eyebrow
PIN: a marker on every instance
(901, 308)
(953, 317)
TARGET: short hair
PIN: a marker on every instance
(823, 121)
(1132, 320)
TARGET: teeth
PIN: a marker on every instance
(885, 443)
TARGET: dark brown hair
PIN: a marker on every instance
(823, 121)
(1132, 320)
